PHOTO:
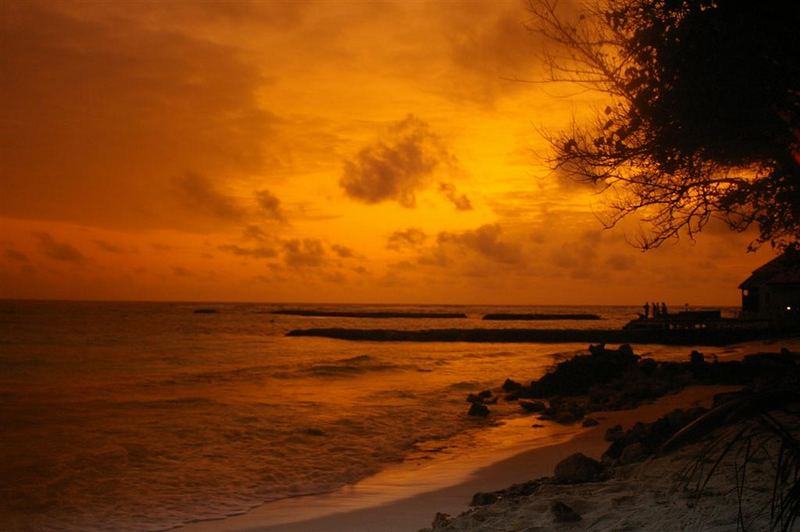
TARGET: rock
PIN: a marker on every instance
(632, 453)
(578, 468)
(626, 350)
(482, 499)
(472, 398)
(696, 358)
(491, 401)
(615, 433)
(565, 417)
(513, 396)
(532, 406)
(590, 422)
(563, 513)
(522, 490)
(315, 432)
(599, 349)
(512, 386)
(441, 521)
(537, 425)
(485, 394)
(478, 409)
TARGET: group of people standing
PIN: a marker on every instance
(659, 310)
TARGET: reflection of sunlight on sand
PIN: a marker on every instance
(434, 465)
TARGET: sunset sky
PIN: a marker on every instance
(332, 151)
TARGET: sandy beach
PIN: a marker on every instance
(428, 488)
(398, 500)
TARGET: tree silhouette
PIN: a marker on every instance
(703, 118)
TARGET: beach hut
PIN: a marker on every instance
(772, 292)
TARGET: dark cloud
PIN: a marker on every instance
(253, 232)
(343, 251)
(280, 15)
(397, 166)
(270, 205)
(13, 254)
(460, 201)
(198, 193)
(620, 262)
(60, 251)
(303, 253)
(486, 241)
(259, 252)
(577, 256)
(409, 238)
(107, 246)
(492, 54)
(99, 115)
(180, 271)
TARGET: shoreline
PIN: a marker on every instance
(406, 496)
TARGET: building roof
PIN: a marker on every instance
(783, 269)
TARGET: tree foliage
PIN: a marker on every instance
(703, 118)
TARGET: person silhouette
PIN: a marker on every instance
(646, 310)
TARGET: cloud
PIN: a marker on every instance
(620, 262)
(409, 238)
(486, 241)
(60, 251)
(304, 253)
(253, 232)
(198, 193)
(107, 246)
(106, 112)
(461, 202)
(259, 252)
(397, 166)
(343, 252)
(180, 271)
(490, 55)
(270, 205)
(13, 254)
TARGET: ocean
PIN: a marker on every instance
(146, 416)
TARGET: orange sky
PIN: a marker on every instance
(332, 151)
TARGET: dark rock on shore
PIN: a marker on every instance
(590, 422)
(512, 386)
(482, 499)
(532, 406)
(441, 521)
(512, 492)
(578, 468)
(644, 439)
(563, 513)
(615, 433)
(576, 375)
(478, 410)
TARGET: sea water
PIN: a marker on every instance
(144, 416)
